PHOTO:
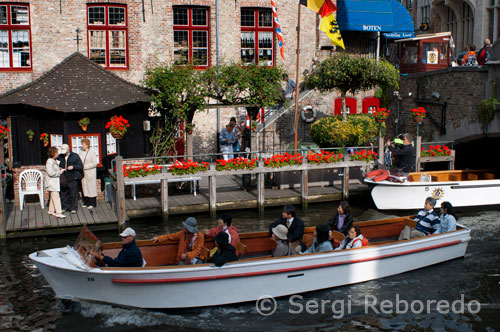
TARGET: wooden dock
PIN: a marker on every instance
(32, 220)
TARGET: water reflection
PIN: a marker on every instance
(28, 304)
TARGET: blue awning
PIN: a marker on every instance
(389, 17)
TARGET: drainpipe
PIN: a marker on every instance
(217, 59)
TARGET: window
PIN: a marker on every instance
(257, 36)
(15, 37)
(467, 24)
(110, 144)
(107, 35)
(56, 140)
(75, 143)
(425, 11)
(191, 36)
(408, 4)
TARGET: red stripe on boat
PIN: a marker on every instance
(252, 274)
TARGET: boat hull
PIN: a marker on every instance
(411, 195)
(205, 285)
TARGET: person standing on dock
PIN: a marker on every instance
(73, 168)
(226, 142)
(406, 155)
(190, 242)
(53, 185)
(89, 182)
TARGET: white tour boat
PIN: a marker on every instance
(159, 284)
(460, 188)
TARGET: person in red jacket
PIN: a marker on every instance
(225, 225)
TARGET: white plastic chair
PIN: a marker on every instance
(33, 184)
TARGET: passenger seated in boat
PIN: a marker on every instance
(190, 242)
(321, 240)
(225, 225)
(342, 221)
(225, 251)
(427, 222)
(448, 219)
(129, 256)
(283, 246)
(354, 239)
(293, 223)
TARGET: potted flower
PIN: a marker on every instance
(380, 114)
(3, 131)
(365, 155)
(45, 138)
(254, 125)
(418, 114)
(83, 123)
(30, 134)
(117, 126)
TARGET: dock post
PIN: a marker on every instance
(345, 184)
(120, 193)
(418, 146)
(304, 190)
(381, 146)
(3, 226)
(260, 187)
(212, 186)
(164, 199)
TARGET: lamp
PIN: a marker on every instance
(436, 95)
(146, 125)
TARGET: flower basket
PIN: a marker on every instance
(324, 157)
(280, 160)
(30, 133)
(235, 164)
(3, 132)
(435, 151)
(188, 167)
(83, 123)
(418, 114)
(117, 126)
(139, 170)
(365, 155)
(380, 114)
(44, 137)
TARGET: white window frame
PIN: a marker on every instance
(56, 140)
(111, 148)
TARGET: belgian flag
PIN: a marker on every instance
(322, 7)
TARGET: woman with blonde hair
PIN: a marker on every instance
(53, 183)
(89, 182)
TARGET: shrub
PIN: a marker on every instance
(357, 130)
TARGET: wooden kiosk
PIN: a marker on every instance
(424, 53)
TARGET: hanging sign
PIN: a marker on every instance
(432, 57)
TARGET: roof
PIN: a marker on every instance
(77, 84)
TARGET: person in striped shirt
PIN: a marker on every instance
(427, 222)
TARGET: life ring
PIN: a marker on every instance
(378, 175)
(306, 110)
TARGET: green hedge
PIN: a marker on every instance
(357, 130)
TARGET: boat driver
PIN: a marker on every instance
(129, 256)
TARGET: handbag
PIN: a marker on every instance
(63, 182)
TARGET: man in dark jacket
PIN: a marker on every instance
(292, 222)
(406, 155)
(73, 169)
(129, 256)
(225, 251)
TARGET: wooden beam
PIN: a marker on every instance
(212, 186)
(260, 188)
(304, 190)
(121, 212)
(164, 199)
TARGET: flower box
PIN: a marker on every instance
(280, 160)
(188, 167)
(235, 164)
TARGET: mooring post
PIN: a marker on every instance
(381, 146)
(418, 146)
(120, 193)
(304, 190)
(260, 186)
(164, 199)
(345, 180)
(212, 186)
(3, 226)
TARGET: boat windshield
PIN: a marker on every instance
(86, 245)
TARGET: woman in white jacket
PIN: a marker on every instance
(53, 184)
(89, 182)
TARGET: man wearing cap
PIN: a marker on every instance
(283, 246)
(73, 168)
(190, 242)
(129, 256)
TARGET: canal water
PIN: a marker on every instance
(468, 288)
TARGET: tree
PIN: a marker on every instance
(177, 92)
(253, 86)
(348, 73)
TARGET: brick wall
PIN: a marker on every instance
(16, 172)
